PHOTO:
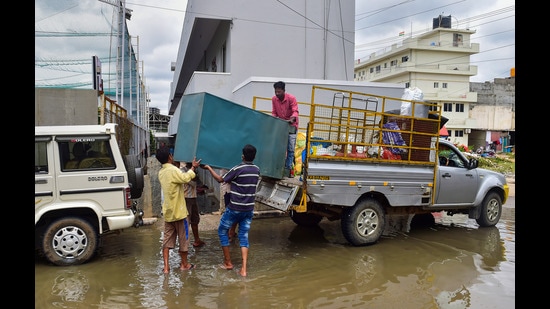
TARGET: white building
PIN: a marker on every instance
(237, 53)
(438, 63)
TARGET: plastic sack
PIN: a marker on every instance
(411, 94)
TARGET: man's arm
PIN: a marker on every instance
(214, 174)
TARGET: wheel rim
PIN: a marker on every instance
(367, 222)
(69, 242)
(493, 210)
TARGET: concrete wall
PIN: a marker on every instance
(54, 106)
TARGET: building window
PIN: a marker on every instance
(457, 39)
(447, 107)
(444, 85)
(459, 133)
(432, 108)
(393, 63)
(385, 65)
(459, 108)
(371, 70)
(436, 85)
(407, 84)
(377, 69)
(404, 58)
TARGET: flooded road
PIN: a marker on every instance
(450, 265)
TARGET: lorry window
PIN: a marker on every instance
(40, 157)
(85, 154)
(448, 157)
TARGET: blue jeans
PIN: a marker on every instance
(229, 217)
(290, 151)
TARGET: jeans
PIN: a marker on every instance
(243, 218)
(290, 151)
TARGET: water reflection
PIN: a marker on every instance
(449, 265)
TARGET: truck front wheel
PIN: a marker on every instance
(363, 223)
(490, 211)
(69, 241)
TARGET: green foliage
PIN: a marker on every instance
(504, 163)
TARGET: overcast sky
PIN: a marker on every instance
(68, 32)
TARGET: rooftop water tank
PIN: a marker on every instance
(442, 22)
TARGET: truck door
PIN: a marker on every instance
(456, 184)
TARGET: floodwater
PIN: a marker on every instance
(453, 264)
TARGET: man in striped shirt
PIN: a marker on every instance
(243, 179)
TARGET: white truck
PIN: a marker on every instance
(370, 160)
(84, 188)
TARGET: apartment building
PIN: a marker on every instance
(438, 63)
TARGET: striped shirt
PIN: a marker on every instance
(244, 180)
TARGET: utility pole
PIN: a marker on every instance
(123, 13)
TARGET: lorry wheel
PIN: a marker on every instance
(491, 209)
(363, 223)
(305, 219)
(69, 241)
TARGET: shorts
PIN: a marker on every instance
(176, 230)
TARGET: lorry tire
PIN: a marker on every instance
(305, 219)
(135, 175)
(491, 210)
(363, 223)
(69, 241)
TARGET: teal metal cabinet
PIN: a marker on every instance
(215, 130)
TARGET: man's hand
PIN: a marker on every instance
(292, 120)
(196, 162)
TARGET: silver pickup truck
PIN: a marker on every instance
(369, 167)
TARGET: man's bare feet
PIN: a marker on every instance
(242, 272)
(165, 271)
(199, 243)
(189, 266)
(226, 266)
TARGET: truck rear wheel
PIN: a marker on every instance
(491, 210)
(69, 241)
(305, 219)
(363, 223)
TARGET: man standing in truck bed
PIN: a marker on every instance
(285, 106)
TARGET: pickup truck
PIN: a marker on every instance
(83, 188)
(369, 164)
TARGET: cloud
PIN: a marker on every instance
(379, 22)
(69, 32)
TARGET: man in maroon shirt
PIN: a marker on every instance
(285, 106)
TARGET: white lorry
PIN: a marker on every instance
(369, 159)
(84, 187)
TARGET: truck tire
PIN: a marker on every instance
(305, 219)
(491, 210)
(69, 241)
(363, 223)
(135, 175)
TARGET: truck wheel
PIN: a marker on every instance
(135, 175)
(305, 219)
(69, 241)
(491, 209)
(363, 223)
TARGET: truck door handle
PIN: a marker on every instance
(446, 175)
(40, 181)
